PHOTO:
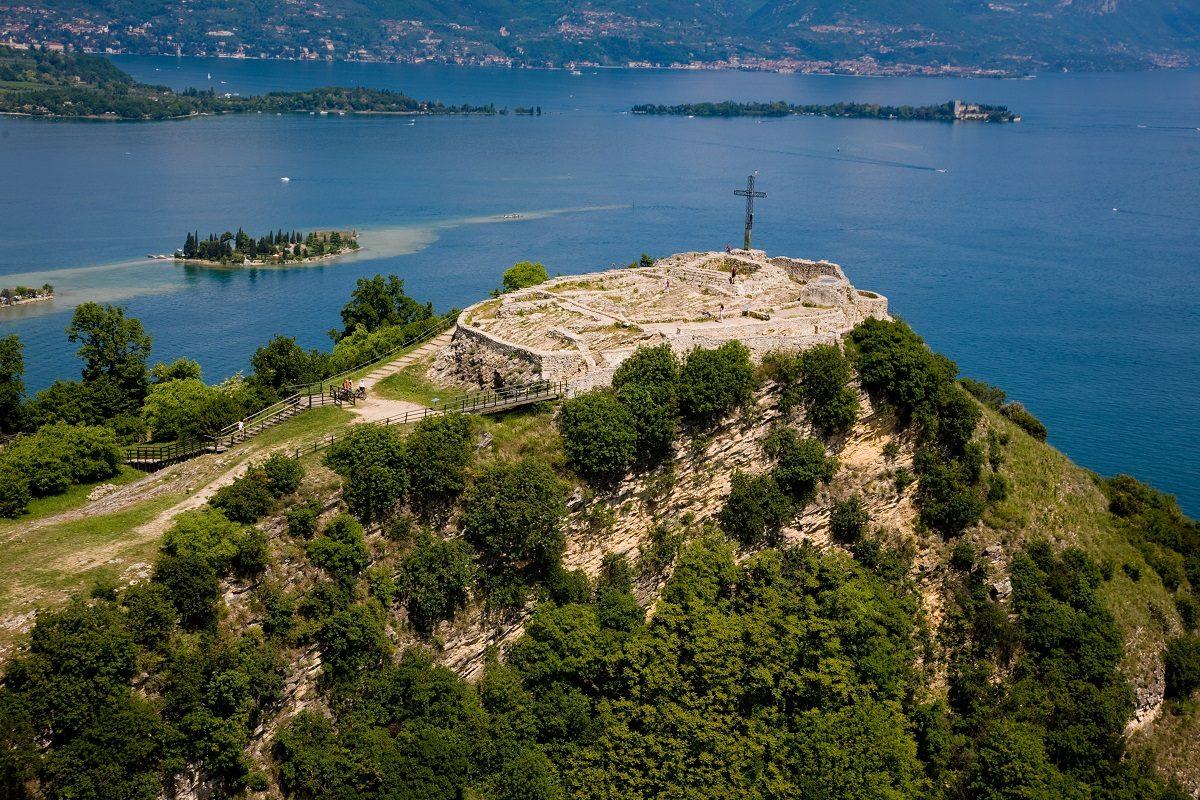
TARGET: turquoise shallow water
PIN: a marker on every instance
(1058, 258)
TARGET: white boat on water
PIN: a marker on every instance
(285, 179)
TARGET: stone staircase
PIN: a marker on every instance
(397, 364)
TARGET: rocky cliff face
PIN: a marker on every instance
(634, 517)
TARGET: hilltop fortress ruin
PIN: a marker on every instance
(579, 328)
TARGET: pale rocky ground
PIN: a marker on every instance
(579, 328)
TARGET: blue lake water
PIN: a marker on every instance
(999, 243)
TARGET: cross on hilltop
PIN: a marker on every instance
(749, 194)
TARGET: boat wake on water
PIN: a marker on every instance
(838, 156)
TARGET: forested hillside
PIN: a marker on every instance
(842, 573)
(1011, 37)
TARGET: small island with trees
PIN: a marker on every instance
(20, 295)
(277, 247)
(950, 111)
(43, 83)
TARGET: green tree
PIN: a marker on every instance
(529, 776)
(800, 464)
(824, 383)
(524, 274)
(646, 384)
(171, 408)
(512, 514)
(12, 384)
(353, 641)
(340, 549)
(756, 507)
(194, 587)
(248, 499)
(14, 491)
(114, 349)
(848, 520)
(179, 369)
(436, 456)
(1182, 661)
(714, 382)
(433, 579)
(599, 436)
(378, 301)
(281, 363)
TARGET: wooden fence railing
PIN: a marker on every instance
(478, 403)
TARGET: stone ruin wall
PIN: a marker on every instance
(483, 360)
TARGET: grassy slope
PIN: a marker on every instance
(1051, 497)
(411, 384)
(74, 497)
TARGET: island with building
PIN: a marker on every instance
(277, 247)
(950, 111)
(20, 295)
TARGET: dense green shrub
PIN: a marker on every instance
(714, 382)
(831, 402)
(646, 383)
(599, 436)
(353, 641)
(529, 776)
(756, 507)
(1182, 661)
(848, 520)
(12, 384)
(433, 580)
(194, 587)
(340, 549)
(283, 474)
(948, 497)
(247, 499)
(800, 464)
(189, 409)
(371, 458)
(302, 520)
(149, 612)
(372, 492)
(783, 368)
(512, 515)
(894, 364)
(1018, 414)
(60, 455)
(436, 456)
(655, 369)
(991, 396)
(360, 345)
(14, 491)
(653, 420)
(523, 274)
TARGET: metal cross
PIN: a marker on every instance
(749, 194)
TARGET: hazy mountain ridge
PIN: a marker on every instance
(1013, 37)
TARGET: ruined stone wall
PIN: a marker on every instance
(802, 270)
(483, 361)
